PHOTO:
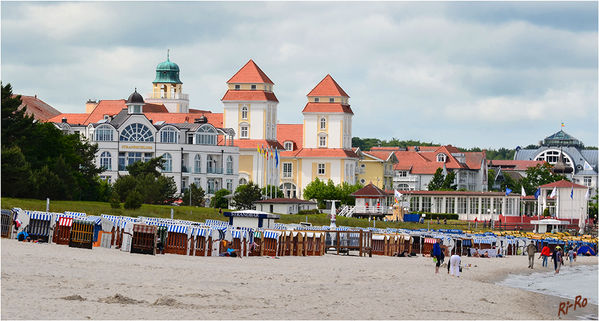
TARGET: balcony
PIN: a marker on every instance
(405, 178)
(374, 209)
(213, 170)
(229, 171)
(184, 169)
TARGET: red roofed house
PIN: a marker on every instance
(376, 167)
(569, 200)
(516, 169)
(416, 166)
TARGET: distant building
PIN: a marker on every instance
(376, 167)
(516, 169)
(284, 205)
(416, 166)
(581, 161)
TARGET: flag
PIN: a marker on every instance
(258, 148)
(276, 157)
(587, 166)
(507, 191)
(563, 125)
(538, 193)
(553, 192)
(523, 191)
(397, 194)
(588, 194)
(572, 193)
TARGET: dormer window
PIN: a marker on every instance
(441, 158)
(288, 146)
(237, 87)
(253, 87)
(316, 99)
(331, 100)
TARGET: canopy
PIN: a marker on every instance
(35, 215)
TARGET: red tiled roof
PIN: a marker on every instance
(383, 155)
(325, 152)
(71, 118)
(562, 184)
(423, 148)
(370, 190)
(290, 132)
(285, 201)
(254, 143)
(389, 148)
(251, 95)
(514, 165)
(250, 73)
(474, 160)
(327, 108)
(155, 108)
(38, 108)
(328, 87)
(424, 161)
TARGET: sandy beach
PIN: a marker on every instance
(41, 281)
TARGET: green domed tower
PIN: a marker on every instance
(167, 88)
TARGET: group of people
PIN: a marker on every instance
(453, 266)
(557, 256)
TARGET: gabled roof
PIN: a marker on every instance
(563, 184)
(71, 118)
(384, 156)
(293, 133)
(250, 73)
(38, 108)
(371, 191)
(328, 87)
(251, 95)
(107, 107)
(327, 108)
(424, 160)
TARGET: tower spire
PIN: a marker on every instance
(168, 55)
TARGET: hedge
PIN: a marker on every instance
(440, 216)
(313, 211)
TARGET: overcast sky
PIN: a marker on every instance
(468, 74)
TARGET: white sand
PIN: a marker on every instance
(41, 281)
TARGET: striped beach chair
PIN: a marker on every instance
(39, 225)
(176, 239)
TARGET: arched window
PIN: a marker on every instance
(210, 164)
(323, 123)
(167, 161)
(106, 161)
(136, 133)
(289, 190)
(441, 157)
(197, 163)
(169, 135)
(206, 135)
(244, 112)
(229, 165)
(104, 133)
(403, 187)
(243, 181)
(551, 156)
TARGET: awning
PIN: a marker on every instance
(430, 240)
(65, 221)
(238, 234)
(203, 232)
(272, 234)
(177, 229)
(42, 216)
(467, 242)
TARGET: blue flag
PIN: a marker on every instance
(277, 156)
(507, 191)
(572, 193)
(538, 193)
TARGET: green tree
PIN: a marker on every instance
(593, 206)
(246, 195)
(537, 176)
(345, 190)
(272, 190)
(448, 182)
(123, 185)
(437, 181)
(197, 195)
(219, 200)
(115, 202)
(46, 184)
(134, 200)
(15, 123)
(491, 179)
(149, 167)
(16, 173)
(316, 190)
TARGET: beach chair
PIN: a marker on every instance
(270, 242)
(7, 223)
(82, 234)
(176, 239)
(62, 233)
(144, 239)
(39, 226)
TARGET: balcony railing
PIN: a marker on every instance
(404, 178)
(210, 170)
(229, 171)
(373, 209)
(165, 95)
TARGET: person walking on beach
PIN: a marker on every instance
(454, 263)
(556, 256)
(545, 253)
(571, 255)
(437, 254)
(531, 249)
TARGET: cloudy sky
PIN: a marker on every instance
(468, 74)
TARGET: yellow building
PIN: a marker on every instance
(376, 167)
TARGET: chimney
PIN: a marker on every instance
(90, 105)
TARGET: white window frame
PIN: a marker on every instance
(244, 130)
(288, 145)
(169, 135)
(323, 123)
(244, 112)
(442, 158)
(197, 164)
(104, 133)
(322, 141)
(287, 170)
(321, 169)
(106, 160)
(167, 160)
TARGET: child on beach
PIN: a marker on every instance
(571, 255)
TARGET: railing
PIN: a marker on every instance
(184, 169)
(373, 209)
(229, 171)
(168, 95)
(210, 170)
(404, 178)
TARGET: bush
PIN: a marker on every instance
(314, 211)
(114, 200)
(440, 216)
(134, 200)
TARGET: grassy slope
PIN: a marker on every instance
(200, 214)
